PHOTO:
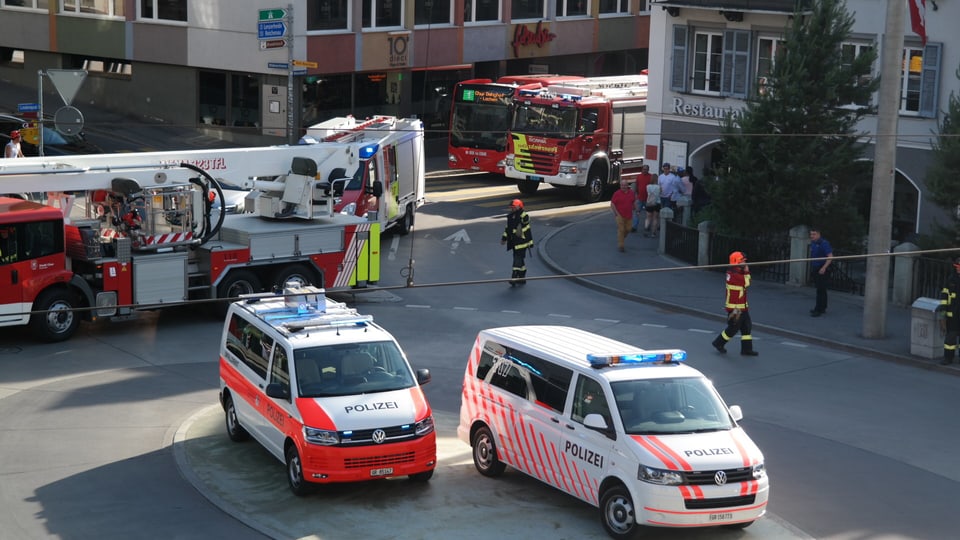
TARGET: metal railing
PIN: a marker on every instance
(756, 249)
(682, 242)
(929, 275)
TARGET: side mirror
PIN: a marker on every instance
(377, 188)
(596, 422)
(423, 376)
(736, 413)
(278, 391)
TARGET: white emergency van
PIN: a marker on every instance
(637, 433)
(323, 389)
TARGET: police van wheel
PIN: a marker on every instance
(485, 454)
(298, 485)
(617, 512)
(234, 430)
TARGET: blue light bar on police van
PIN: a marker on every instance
(368, 151)
(661, 356)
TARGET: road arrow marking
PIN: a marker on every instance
(457, 238)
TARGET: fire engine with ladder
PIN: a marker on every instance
(102, 236)
(584, 134)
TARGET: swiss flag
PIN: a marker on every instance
(918, 12)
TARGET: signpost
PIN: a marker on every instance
(272, 25)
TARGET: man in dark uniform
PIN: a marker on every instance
(517, 236)
(950, 311)
(738, 315)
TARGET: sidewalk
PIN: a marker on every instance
(589, 246)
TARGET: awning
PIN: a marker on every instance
(755, 6)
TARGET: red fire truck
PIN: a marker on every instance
(480, 120)
(583, 134)
(125, 232)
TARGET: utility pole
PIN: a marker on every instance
(884, 170)
(291, 103)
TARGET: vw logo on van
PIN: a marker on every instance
(720, 478)
(380, 435)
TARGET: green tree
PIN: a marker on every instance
(792, 157)
(943, 176)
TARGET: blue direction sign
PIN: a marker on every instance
(28, 107)
(278, 65)
(271, 29)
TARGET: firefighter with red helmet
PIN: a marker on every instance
(738, 315)
(517, 237)
(950, 314)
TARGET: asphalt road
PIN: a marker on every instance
(855, 448)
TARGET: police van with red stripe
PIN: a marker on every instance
(323, 389)
(635, 432)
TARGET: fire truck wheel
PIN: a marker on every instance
(298, 273)
(298, 485)
(406, 224)
(485, 454)
(617, 512)
(60, 321)
(593, 190)
(527, 187)
(239, 282)
(234, 430)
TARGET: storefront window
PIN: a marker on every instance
(213, 98)
(244, 100)
(326, 97)
(328, 15)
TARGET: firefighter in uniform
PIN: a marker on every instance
(738, 314)
(517, 236)
(950, 312)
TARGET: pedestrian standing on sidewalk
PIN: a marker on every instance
(12, 149)
(821, 253)
(738, 314)
(622, 204)
(643, 179)
(950, 312)
(669, 184)
(652, 222)
(518, 237)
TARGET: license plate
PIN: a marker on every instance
(535, 178)
(381, 472)
(726, 516)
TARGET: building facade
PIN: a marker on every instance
(224, 64)
(708, 56)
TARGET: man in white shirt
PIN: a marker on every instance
(13, 150)
(669, 186)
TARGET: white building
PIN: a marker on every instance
(707, 56)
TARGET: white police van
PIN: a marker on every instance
(323, 389)
(636, 433)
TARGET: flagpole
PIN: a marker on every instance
(884, 170)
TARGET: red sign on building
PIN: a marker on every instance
(523, 36)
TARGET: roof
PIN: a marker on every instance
(306, 315)
(572, 345)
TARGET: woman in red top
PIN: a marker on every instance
(738, 316)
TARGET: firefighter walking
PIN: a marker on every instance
(738, 314)
(950, 314)
(517, 237)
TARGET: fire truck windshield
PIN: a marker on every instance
(545, 120)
